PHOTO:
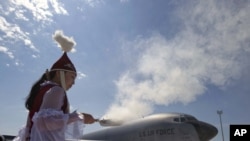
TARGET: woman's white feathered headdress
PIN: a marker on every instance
(64, 42)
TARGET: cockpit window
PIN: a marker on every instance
(176, 120)
(191, 119)
(183, 119)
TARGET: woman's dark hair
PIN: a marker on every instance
(36, 87)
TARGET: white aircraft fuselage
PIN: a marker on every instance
(158, 127)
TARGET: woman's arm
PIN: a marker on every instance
(50, 113)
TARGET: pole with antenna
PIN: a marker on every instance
(219, 112)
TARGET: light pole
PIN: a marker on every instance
(219, 112)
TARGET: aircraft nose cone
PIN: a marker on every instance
(205, 131)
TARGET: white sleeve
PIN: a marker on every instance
(50, 122)
(53, 98)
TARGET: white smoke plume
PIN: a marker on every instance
(212, 48)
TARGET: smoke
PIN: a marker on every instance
(212, 48)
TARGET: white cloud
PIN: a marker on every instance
(213, 47)
(93, 3)
(40, 9)
(80, 75)
(14, 32)
(7, 52)
(25, 13)
(20, 15)
(58, 7)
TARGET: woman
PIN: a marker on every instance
(48, 105)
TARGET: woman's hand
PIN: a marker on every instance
(88, 119)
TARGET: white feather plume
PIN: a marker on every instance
(66, 43)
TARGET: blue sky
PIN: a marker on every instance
(133, 57)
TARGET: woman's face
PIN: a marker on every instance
(69, 79)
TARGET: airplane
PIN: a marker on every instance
(156, 127)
